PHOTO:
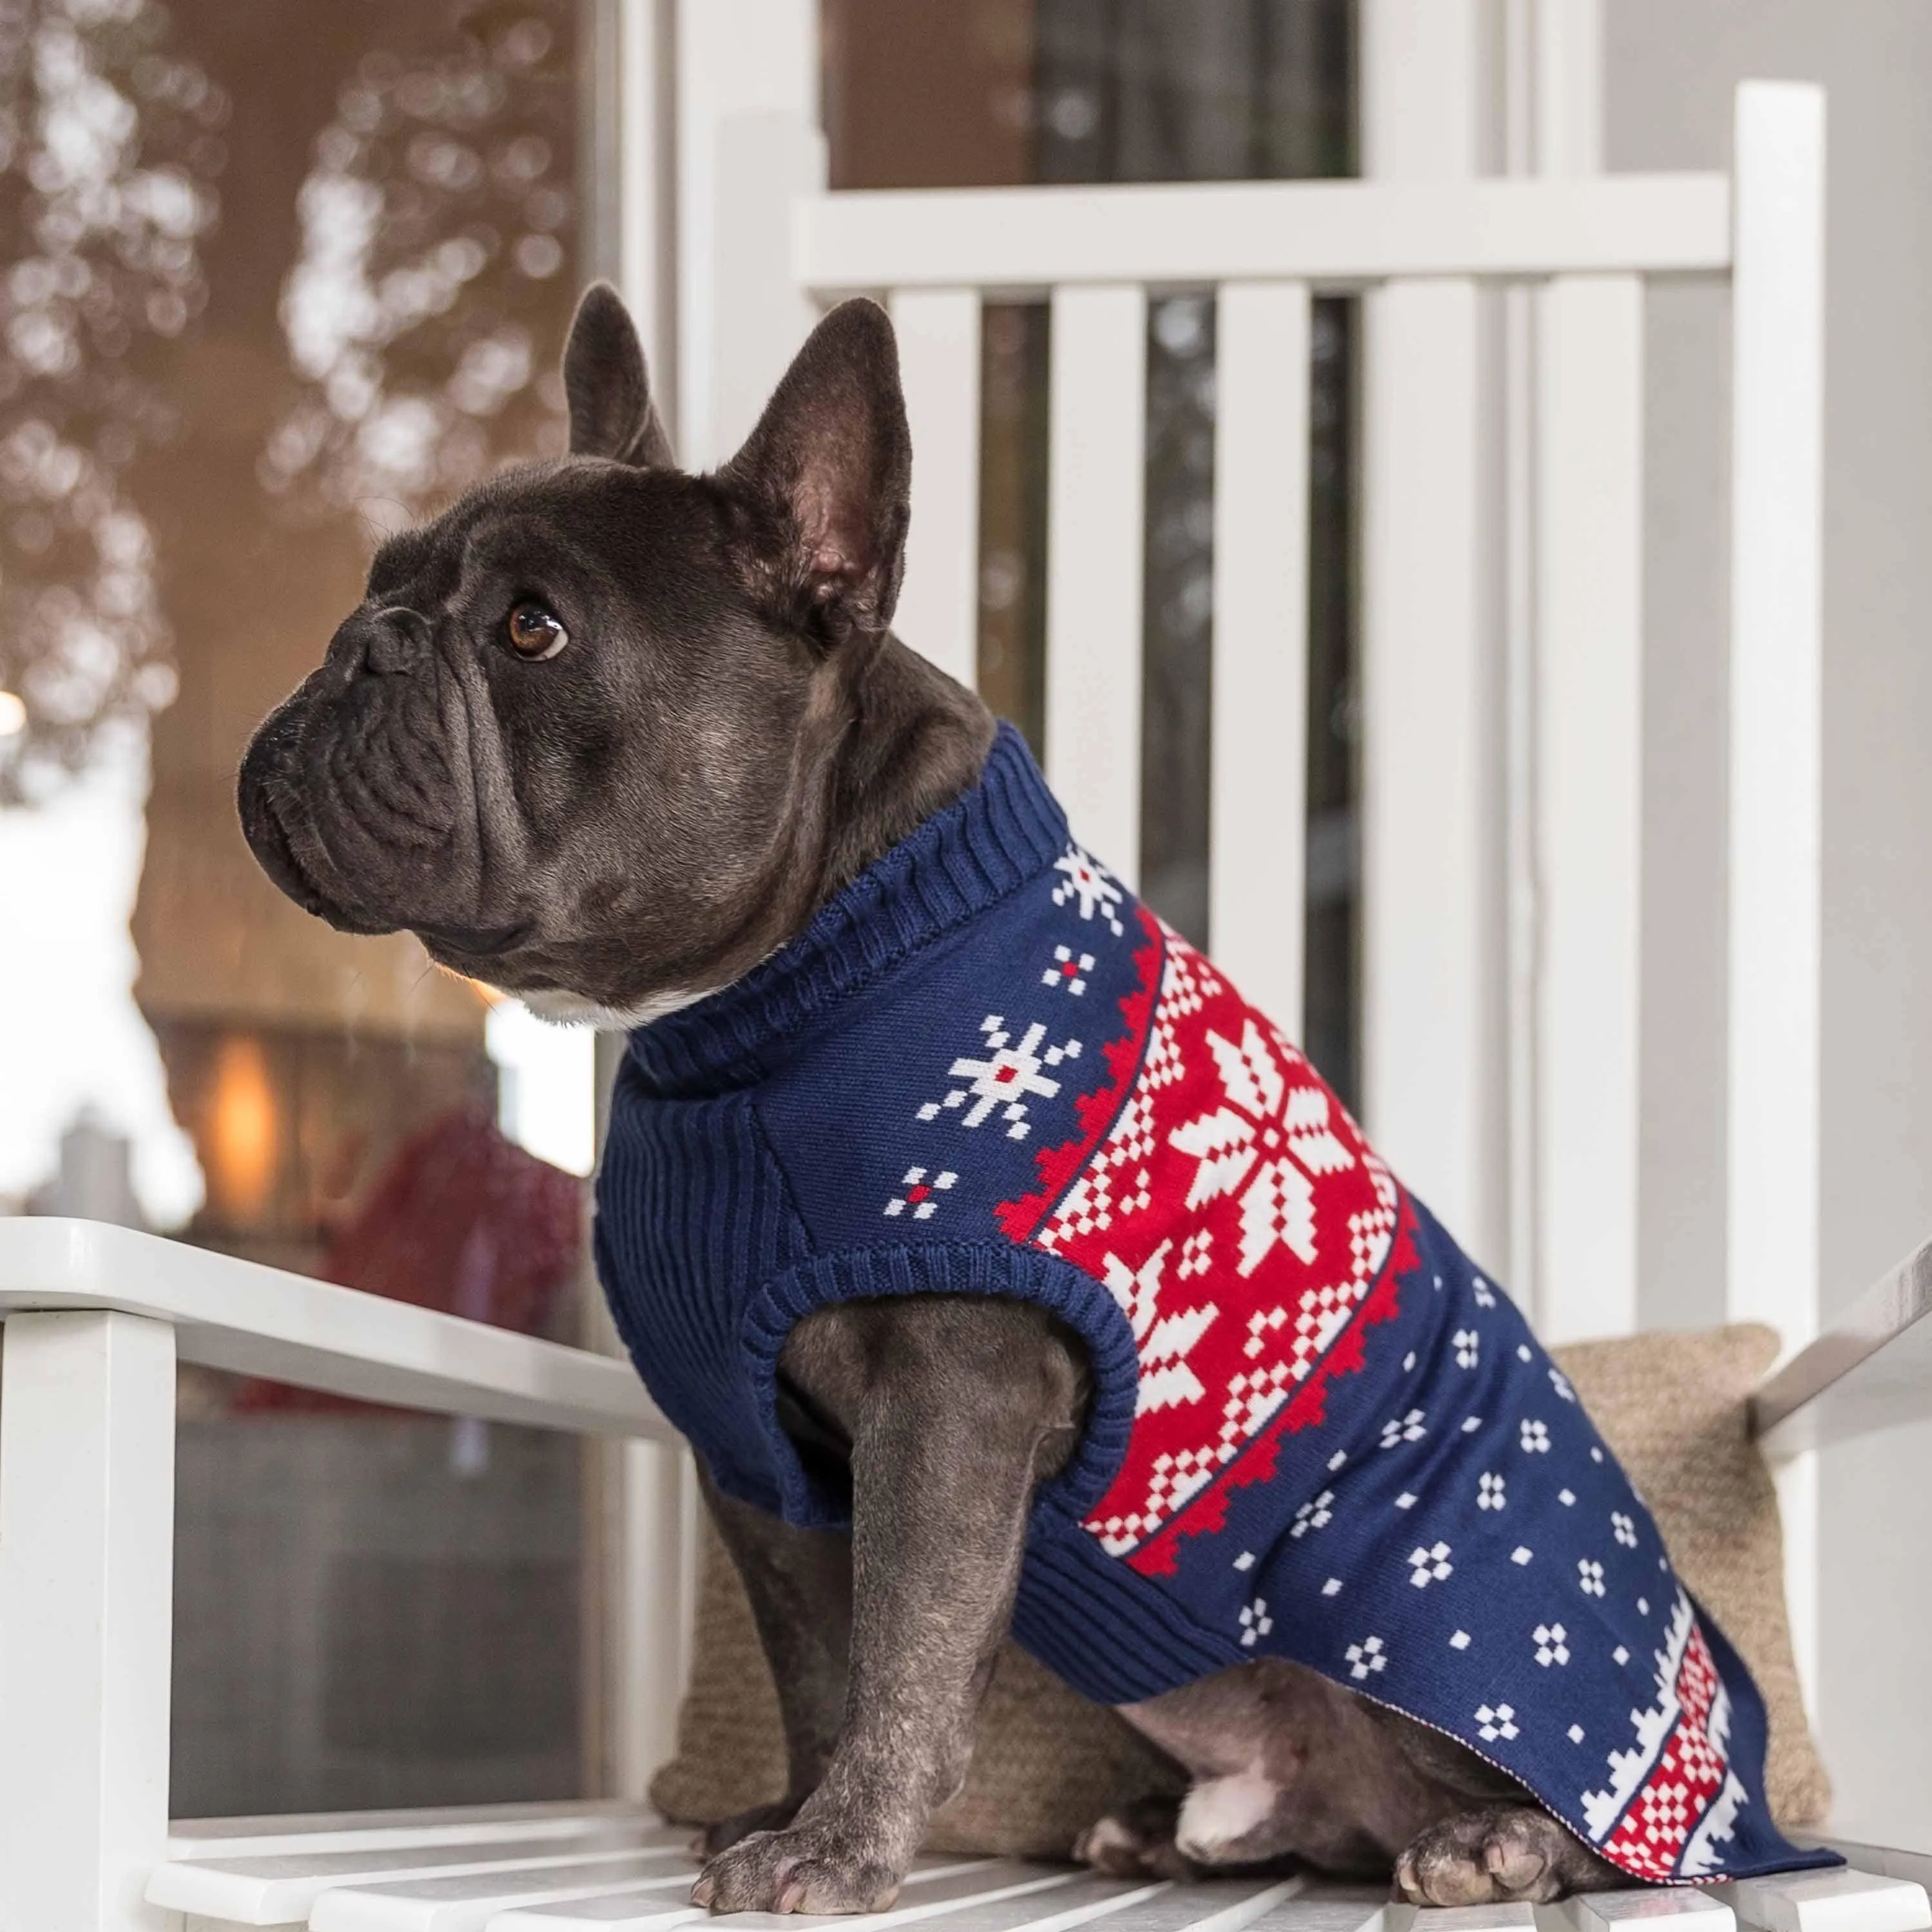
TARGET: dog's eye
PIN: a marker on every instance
(534, 631)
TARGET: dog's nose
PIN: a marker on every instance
(394, 640)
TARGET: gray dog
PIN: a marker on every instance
(609, 736)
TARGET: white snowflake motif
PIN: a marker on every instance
(1270, 1136)
(1535, 1437)
(1480, 1288)
(1625, 1530)
(1255, 1622)
(1590, 1576)
(1560, 1382)
(1196, 1253)
(1164, 1341)
(1316, 1514)
(918, 1193)
(1403, 1429)
(1366, 1658)
(1005, 1077)
(1090, 881)
(1552, 1644)
(1489, 1493)
(1069, 969)
(1492, 1724)
(1468, 1346)
(1430, 1565)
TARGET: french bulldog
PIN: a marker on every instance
(607, 736)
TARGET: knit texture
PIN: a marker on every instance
(1316, 1430)
(1048, 1762)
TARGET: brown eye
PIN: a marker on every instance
(534, 631)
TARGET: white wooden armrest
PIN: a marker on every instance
(1872, 1369)
(239, 1316)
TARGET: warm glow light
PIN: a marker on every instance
(243, 1131)
(12, 714)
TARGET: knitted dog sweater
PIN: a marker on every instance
(1317, 1431)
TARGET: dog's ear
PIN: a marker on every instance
(828, 472)
(611, 413)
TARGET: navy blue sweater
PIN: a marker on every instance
(1317, 1431)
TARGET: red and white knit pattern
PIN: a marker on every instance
(1237, 1217)
(1672, 1796)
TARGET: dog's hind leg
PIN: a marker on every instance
(1498, 1854)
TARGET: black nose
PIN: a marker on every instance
(390, 642)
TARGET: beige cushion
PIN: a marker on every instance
(1048, 1762)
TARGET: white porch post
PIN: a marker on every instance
(1778, 432)
(1432, 1072)
(87, 1459)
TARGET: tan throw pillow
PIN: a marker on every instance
(1048, 1762)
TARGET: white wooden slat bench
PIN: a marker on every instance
(96, 1319)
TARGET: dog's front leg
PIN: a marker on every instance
(954, 1409)
(798, 1583)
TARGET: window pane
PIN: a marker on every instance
(280, 279)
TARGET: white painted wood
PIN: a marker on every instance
(87, 1451)
(252, 1320)
(1870, 1370)
(932, 1890)
(1612, 1911)
(1589, 763)
(468, 1904)
(646, 266)
(748, 143)
(1325, 1907)
(1257, 850)
(1775, 1095)
(1333, 234)
(324, 1831)
(1095, 498)
(1461, 1918)
(651, 1659)
(277, 1888)
(1430, 1076)
(1829, 1901)
(938, 614)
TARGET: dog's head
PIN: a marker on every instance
(575, 735)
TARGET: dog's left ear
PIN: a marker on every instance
(828, 473)
(611, 413)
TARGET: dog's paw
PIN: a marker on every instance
(815, 1868)
(1499, 1854)
(1137, 1841)
(715, 1838)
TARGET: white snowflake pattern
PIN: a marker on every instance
(1317, 1514)
(1403, 1429)
(1590, 1576)
(1480, 1288)
(1090, 882)
(1196, 1254)
(1069, 969)
(1624, 1529)
(1267, 1139)
(1499, 1722)
(1560, 1382)
(1490, 1492)
(1005, 1077)
(1535, 1437)
(1468, 1346)
(918, 1193)
(1164, 1341)
(1552, 1642)
(1255, 1622)
(1366, 1658)
(1430, 1565)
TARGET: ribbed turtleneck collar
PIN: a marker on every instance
(967, 856)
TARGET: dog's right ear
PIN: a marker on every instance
(611, 413)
